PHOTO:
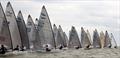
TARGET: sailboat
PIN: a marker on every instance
(23, 30)
(45, 30)
(13, 27)
(96, 39)
(102, 39)
(74, 41)
(5, 37)
(107, 40)
(85, 42)
(113, 41)
(30, 31)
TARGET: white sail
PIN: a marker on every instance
(62, 36)
(56, 35)
(66, 39)
(107, 40)
(59, 39)
(113, 42)
(102, 39)
(14, 31)
(55, 30)
(85, 42)
(30, 30)
(73, 39)
(89, 36)
(23, 30)
(96, 39)
(45, 29)
(5, 38)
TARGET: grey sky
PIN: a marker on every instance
(90, 14)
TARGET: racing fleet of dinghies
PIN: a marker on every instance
(39, 35)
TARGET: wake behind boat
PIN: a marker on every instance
(13, 53)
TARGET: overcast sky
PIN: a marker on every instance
(89, 14)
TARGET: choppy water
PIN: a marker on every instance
(81, 53)
(24, 55)
(29, 54)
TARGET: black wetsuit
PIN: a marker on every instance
(47, 48)
(17, 48)
(60, 47)
(3, 50)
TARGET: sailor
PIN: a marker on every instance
(76, 47)
(109, 46)
(3, 49)
(22, 48)
(87, 47)
(115, 46)
(61, 47)
(17, 48)
(47, 48)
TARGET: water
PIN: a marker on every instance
(80, 53)
(29, 54)
(24, 55)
